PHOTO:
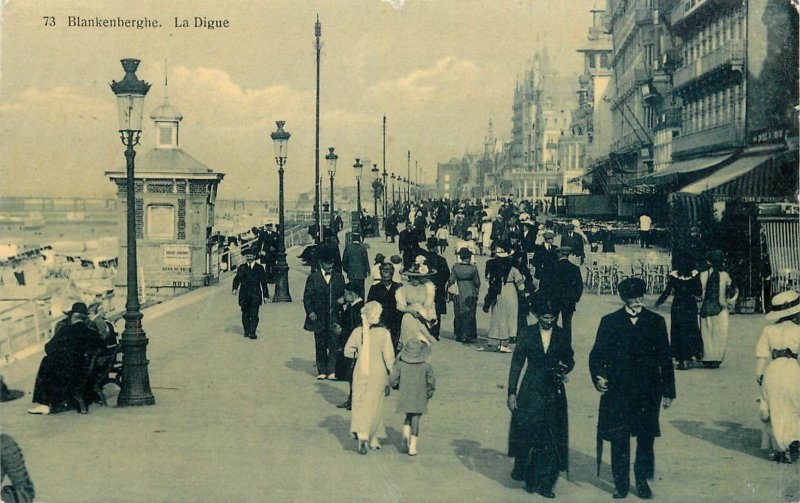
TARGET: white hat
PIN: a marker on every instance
(524, 218)
(784, 304)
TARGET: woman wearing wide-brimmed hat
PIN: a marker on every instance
(505, 280)
(371, 346)
(464, 284)
(778, 373)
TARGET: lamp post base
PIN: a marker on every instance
(135, 389)
(281, 281)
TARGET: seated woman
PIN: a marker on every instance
(778, 373)
(63, 371)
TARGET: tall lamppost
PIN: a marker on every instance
(392, 177)
(280, 139)
(359, 168)
(135, 390)
(317, 186)
(331, 158)
(385, 174)
(376, 183)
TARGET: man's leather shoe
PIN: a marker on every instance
(546, 493)
(643, 490)
(246, 335)
(517, 474)
(253, 336)
(344, 405)
(618, 494)
(530, 488)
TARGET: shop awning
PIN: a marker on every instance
(679, 168)
(763, 177)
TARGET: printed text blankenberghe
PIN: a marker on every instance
(112, 22)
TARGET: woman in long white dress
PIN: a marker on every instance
(371, 346)
(505, 280)
(778, 373)
(714, 310)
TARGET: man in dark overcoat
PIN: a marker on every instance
(630, 365)
(574, 241)
(250, 283)
(384, 293)
(562, 284)
(538, 438)
(545, 254)
(350, 319)
(64, 369)
(439, 264)
(355, 263)
(321, 300)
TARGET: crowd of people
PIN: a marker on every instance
(376, 325)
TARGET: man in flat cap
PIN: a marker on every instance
(630, 365)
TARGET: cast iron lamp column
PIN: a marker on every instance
(331, 158)
(135, 389)
(280, 140)
(359, 169)
(375, 184)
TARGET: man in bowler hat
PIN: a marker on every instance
(250, 283)
(630, 365)
(321, 300)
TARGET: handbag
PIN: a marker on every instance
(453, 289)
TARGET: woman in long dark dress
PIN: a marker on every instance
(684, 332)
(538, 438)
(466, 276)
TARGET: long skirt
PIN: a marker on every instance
(684, 331)
(781, 391)
(504, 322)
(465, 325)
(714, 330)
(368, 401)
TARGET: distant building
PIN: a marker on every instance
(451, 177)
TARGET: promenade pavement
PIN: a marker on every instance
(239, 420)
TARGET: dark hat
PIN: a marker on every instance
(715, 257)
(432, 242)
(396, 259)
(464, 253)
(564, 251)
(325, 255)
(631, 288)
(545, 306)
(248, 252)
(79, 308)
(380, 258)
(355, 236)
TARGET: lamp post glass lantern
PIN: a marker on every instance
(280, 140)
(331, 158)
(135, 389)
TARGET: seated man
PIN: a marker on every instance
(63, 371)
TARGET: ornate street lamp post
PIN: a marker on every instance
(376, 183)
(392, 177)
(280, 140)
(359, 169)
(331, 158)
(135, 390)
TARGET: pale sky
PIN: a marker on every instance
(438, 69)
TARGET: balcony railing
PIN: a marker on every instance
(725, 135)
(687, 9)
(729, 56)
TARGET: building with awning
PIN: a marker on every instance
(681, 173)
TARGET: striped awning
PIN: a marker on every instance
(783, 247)
(680, 169)
(766, 177)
